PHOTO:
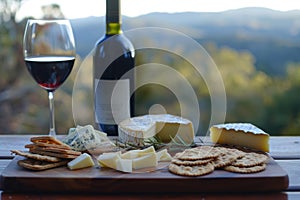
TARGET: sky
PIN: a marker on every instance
(132, 8)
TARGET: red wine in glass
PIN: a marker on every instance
(50, 71)
(49, 54)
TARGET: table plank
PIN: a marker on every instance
(287, 147)
(293, 170)
(3, 165)
(9, 142)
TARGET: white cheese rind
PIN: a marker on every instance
(241, 134)
(138, 130)
(245, 127)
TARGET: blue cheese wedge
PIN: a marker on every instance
(242, 134)
(167, 128)
(84, 138)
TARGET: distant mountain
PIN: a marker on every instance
(273, 37)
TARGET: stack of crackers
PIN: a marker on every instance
(46, 152)
(205, 159)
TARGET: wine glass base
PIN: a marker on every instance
(52, 133)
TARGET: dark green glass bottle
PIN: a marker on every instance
(114, 74)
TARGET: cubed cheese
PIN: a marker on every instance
(82, 161)
(163, 155)
(149, 160)
(137, 153)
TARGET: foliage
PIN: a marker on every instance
(253, 95)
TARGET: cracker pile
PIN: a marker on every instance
(45, 152)
(203, 160)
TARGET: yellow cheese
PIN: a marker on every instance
(134, 159)
(166, 127)
(149, 160)
(137, 153)
(242, 134)
(109, 159)
(82, 161)
(124, 165)
(163, 155)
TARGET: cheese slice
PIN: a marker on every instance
(109, 159)
(148, 160)
(124, 165)
(163, 155)
(137, 153)
(113, 160)
(133, 159)
(82, 161)
(242, 134)
(166, 127)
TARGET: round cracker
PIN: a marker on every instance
(198, 153)
(246, 170)
(238, 152)
(191, 162)
(250, 159)
(191, 170)
(225, 159)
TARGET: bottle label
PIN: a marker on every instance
(112, 101)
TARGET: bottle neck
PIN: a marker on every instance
(113, 28)
(113, 17)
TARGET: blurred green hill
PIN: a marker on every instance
(273, 37)
(255, 49)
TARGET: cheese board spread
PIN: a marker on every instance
(214, 167)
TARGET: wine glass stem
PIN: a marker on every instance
(51, 106)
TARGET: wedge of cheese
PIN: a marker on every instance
(82, 161)
(83, 138)
(166, 127)
(242, 134)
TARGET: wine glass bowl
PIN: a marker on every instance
(49, 53)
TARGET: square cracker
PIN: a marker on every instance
(40, 165)
(36, 156)
(58, 155)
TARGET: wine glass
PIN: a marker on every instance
(49, 53)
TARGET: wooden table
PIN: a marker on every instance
(284, 150)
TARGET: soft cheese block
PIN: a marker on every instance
(166, 127)
(82, 161)
(242, 134)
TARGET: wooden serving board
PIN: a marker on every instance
(103, 180)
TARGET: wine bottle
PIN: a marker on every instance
(113, 74)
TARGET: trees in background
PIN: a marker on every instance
(23, 104)
(270, 102)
